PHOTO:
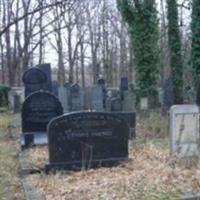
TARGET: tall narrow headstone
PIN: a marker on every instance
(168, 94)
(101, 82)
(123, 86)
(46, 68)
(34, 80)
(55, 86)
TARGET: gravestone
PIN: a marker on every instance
(55, 86)
(87, 139)
(63, 95)
(76, 98)
(168, 94)
(184, 130)
(87, 98)
(101, 82)
(123, 86)
(144, 103)
(37, 110)
(17, 104)
(34, 80)
(116, 104)
(97, 98)
(128, 102)
(46, 68)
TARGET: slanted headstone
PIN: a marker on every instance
(34, 80)
(37, 110)
(168, 94)
(55, 86)
(184, 130)
(76, 97)
(87, 139)
(46, 68)
(63, 95)
(97, 98)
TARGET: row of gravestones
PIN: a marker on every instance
(77, 139)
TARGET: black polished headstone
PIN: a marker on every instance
(34, 79)
(198, 91)
(46, 68)
(168, 94)
(37, 110)
(101, 82)
(87, 139)
(124, 84)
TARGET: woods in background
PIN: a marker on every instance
(98, 38)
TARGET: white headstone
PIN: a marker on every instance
(184, 130)
(144, 103)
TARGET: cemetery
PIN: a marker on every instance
(72, 140)
(99, 100)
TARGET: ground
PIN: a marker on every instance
(150, 172)
(10, 184)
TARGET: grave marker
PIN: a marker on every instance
(37, 110)
(46, 68)
(76, 97)
(168, 93)
(34, 80)
(184, 130)
(87, 139)
(97, 98)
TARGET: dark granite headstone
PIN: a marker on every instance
(34, 79)
(76, 98)
(87, 139)
(17, 104)
(101, 82)
(168, 94)
(37, 110)
(124, 84)
(55, 86)
(46, 68)
(198, 91)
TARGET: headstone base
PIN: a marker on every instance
(78, 165)
(33, 138)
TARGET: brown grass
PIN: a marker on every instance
(149, 174)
